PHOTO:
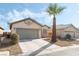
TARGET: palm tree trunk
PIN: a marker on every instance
(53, 38)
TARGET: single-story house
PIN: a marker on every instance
(1, 31)
(63, 30)
(29, 29)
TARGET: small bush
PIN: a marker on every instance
(68, 36)
(14, 38)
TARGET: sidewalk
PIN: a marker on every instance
(52, 51)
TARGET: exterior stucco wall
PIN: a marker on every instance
(23, 25)
(58, 32)
(44, 31)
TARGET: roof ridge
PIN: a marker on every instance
(64, 24)
(25, 20)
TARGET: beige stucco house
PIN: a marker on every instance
(63, 30)
(29, 29)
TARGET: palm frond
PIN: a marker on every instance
(55, 9)
(60, 9)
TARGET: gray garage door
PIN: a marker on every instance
(28, 33)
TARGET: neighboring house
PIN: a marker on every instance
(28, 29)
(63, 30)
(45, 30)
(6, 33)
(1, 31)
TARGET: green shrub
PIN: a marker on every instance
(14, 38)
(68, 36)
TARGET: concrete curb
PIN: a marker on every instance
(4, 53)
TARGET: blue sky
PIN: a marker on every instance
(14, 12)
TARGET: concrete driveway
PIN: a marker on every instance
(33, 47)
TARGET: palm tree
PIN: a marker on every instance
(54, 9)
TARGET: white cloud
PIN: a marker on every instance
(78, 11)
(15, 15)
(1, 16)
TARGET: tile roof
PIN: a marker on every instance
(26, 19)
(61, 26)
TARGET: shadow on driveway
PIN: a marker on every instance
(40, 49)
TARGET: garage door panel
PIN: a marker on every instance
(28, 33)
